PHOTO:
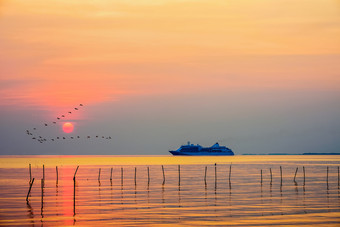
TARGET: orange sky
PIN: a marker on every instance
(61, 52)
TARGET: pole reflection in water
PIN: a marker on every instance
(30, 213)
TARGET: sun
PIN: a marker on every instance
(68, 127)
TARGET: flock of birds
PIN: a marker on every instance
(35, 136)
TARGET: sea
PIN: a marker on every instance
(241, 190)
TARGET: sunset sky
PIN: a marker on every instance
(259, 76)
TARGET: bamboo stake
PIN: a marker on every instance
(338, 178)
(111, 175)
(99, 174)
(56, 170)
(205, 175)
(179, 175)
(42, 196)
(148, 176)
(74, 198)
(121, 175)
(43, 172)
(230, 173)
(304, 176)
(271, 176)
(163, 175)
(30, 172)
(215, 173)
(261, 176)
(29, 190)
(281, 174)
(74, 176)
(295, 174)
(327, 177)
(135, 176)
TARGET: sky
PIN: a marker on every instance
(258, 76)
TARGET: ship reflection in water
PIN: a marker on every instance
(183, 199)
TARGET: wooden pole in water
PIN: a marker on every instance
(148, 176)
(74, 198)
(121, 175)
(111, 175)
(215, 173)
(271, 176)
(29, 190)
(163, 175)
(74, 176)
(135, 176)
(205, 175)
(179, 175)
(30, 172)
(304, 176)
(327, 177)
(43, 172)
(99, 174)
(56, 170)
(261, 176)
(281, 174)
(338, 178)
(230, 173)
(42, 196)
(295, 173)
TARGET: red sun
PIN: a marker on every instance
(68, 127)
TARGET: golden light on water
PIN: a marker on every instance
(131, 199)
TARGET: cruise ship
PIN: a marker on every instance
(198, 150)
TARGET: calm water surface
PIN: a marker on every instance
(186, 201)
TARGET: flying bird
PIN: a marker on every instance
(45, 124)
(76, 108)
(80, 104)
(69, 112)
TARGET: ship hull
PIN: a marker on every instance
(201, 153)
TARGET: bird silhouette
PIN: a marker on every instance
(45, 124)
(54, 122)
(69, 112)
(76, 108)
(80, 104)
(58, 118)
(62, 115)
